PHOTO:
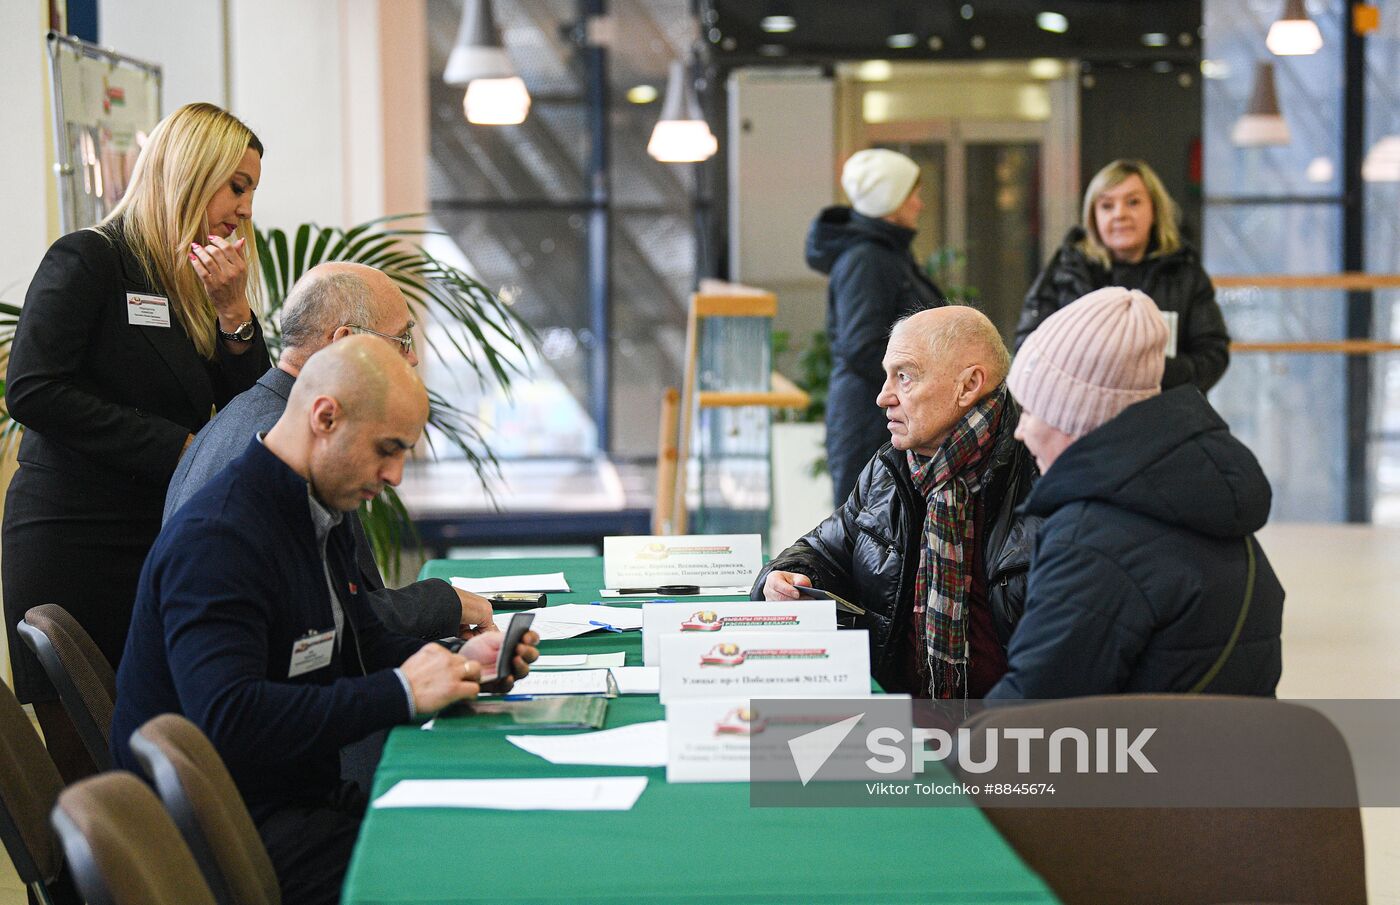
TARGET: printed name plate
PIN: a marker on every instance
(772, 664)
(723, 620)
(713, 560)
(796, 739)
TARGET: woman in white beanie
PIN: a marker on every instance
(875, 281)
(1145, 576)
(1128, 237)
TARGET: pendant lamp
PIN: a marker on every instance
(1262, 124)
(495, 95)
(1293, 33)
(681, 134)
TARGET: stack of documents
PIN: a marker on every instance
(605, 793)
(564, 681)
(579, 661)
(569, 620)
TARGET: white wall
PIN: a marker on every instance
(185, 39)
(25, 176)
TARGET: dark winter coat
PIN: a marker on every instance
(874, 282)
(1138, 576)
(1175, 282)
(867, 551)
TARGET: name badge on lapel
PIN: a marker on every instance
(311, 652)
(147, 310)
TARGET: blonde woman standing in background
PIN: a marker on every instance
(132, 332)
(1128, 237)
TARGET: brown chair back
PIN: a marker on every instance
(29, 786)
(197, 790)
(1196, 854)
(122, 847)
(76, 667)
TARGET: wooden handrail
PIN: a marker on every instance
(1351, 281)
(1337, 347)
(718, 399)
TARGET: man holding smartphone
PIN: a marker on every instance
(251, 620)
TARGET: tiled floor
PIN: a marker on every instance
(1341, 631)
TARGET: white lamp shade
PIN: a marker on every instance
(682, 141)
(496, 102)
(1263, 122)
(1255, 131)
(681, 134)
(1382, 163)
(1293, 33)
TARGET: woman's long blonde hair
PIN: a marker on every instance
(1164, 214)
(190, 155)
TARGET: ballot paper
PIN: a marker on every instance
(637, 745)
(579, 661)
(564, 681)
(603, 793)
(569, 620)
(637, 679)
(546, 583)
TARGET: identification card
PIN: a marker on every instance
(147, 310)
(779, 664)
(311, 652)
(723, 620)
(1173, 320)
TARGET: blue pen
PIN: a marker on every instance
(604, 626)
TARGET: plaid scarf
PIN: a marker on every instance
(950, 480)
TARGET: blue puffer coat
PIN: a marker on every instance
(1138, 573)
(874, 282)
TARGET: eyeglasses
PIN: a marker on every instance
(404, 339)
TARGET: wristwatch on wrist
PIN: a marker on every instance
(243, 334)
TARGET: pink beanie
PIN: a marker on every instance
(1091, 359)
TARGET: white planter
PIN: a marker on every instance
(800, 501)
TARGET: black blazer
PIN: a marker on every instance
(101, 398)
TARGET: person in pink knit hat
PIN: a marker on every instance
(1145, 575)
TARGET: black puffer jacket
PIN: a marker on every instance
(874, 282)
(1176, 282)
(867, 551)
(1139, 571)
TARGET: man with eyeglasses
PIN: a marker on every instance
(330, 302)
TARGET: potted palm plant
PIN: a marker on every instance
(475, 327)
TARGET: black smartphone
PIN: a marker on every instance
(517, 600)
(515, 630)
(842, 603)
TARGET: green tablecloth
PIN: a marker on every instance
(699, 842)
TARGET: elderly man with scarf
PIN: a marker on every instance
(929, 543)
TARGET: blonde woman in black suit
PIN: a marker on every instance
(131, 334)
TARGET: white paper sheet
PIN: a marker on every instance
(604, 793)
(725, 591)
(637, 745)
(637, 679)
(560, 681)
(544, 583)
(580, 661)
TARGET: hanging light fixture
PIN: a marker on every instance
(495, 95)
(1382, 163)
(681, 134)
(1263, 123)
(1293, 33)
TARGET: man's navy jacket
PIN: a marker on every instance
(234, 581)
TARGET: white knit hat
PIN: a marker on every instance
(877, 181)
(1091, 359)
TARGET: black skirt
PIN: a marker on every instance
(80, 544)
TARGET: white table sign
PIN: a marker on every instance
(743, 739)
(704, 560)
(723, 620)
(776, 664)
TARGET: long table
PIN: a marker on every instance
(698, 842)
